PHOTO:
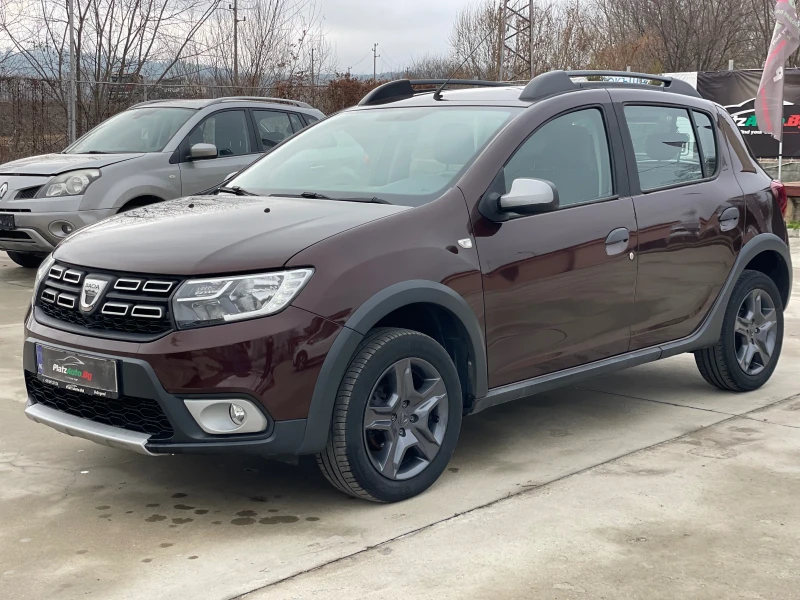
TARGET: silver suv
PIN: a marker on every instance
(154, 151)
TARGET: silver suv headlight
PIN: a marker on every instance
(201, 302)
(73, 183)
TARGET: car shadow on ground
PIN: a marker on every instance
(502, 442)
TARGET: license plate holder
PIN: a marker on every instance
(7, 222)
(77, 372)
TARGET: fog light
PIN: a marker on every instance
(238, 414)
(224, 416)
(61, 228)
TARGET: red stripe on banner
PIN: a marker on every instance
(778, 47)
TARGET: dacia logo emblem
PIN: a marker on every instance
(3, 190)
(91, 292)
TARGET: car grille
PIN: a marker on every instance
(134, 414)
(28, 193)
(131, 306)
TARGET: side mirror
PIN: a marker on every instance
(529, 197)
(203, 151)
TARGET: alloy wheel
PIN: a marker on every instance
(405, 419)
(755, 331)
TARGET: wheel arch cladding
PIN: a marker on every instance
(407, 303)
(774, 266)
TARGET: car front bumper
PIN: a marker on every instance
(38, 232)
(249, 361)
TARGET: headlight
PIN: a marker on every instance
(41, 273)
(202, 302)
(73, 183)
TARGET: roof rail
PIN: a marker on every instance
(402, 89)
(261, 99)
(147, 103)
(557, 82)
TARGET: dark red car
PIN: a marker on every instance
(415, 259)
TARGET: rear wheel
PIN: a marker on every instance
(752, 336)
(26, 259)
(396, 419)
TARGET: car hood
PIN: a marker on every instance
(54, 164)
(207, 235)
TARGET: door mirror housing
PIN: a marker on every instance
(529, 197)
(203, 152)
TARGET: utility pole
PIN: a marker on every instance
(375, 57)
(73, 84)
(313, 87)
(515, 56)
(236, 20)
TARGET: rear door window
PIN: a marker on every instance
(273, 127)
(664, 145)
(297, 122)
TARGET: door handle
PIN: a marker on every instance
(729, 218)
(617, 241)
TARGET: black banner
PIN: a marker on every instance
(736, 91)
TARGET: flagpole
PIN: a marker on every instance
(780, 157)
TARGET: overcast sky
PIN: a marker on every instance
(403, 28)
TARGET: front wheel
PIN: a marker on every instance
(26, 259)
(752, 336)
(396, 419)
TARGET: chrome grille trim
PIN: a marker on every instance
(72, 276)
(127, 285)
(55, 272)
(115, 309)
(49, 296)
(159, 287)
(147, 312)
(66, 300)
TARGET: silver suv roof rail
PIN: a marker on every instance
(261, 99)
(558, 82)
(213, 101)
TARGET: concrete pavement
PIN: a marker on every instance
(644, 484)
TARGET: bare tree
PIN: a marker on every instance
(681, 35)
(475, 39)
(118, 44)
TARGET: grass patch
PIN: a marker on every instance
(793, 224)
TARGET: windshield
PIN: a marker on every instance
(137, 130)
(405, 156)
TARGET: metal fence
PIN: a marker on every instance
(33, 113)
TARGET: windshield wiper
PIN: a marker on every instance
(318, 196)
(311, 195)
(373, 200)
(235, 190)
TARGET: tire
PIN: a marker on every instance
(25, 259)
(352, 461)
(720, 364)
(301, 362)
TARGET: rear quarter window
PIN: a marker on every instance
(740, 151)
